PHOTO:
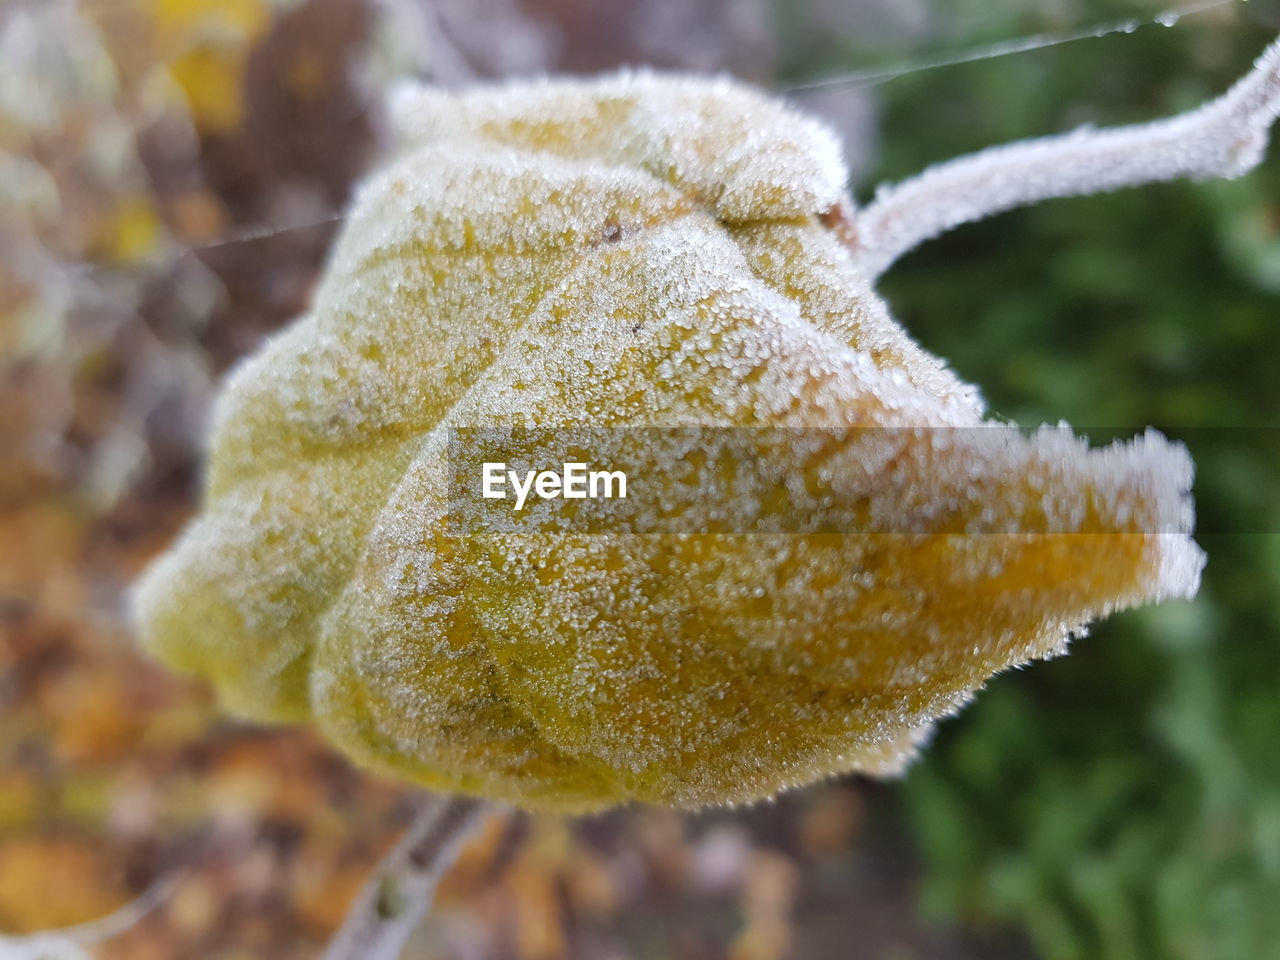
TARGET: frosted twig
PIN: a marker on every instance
(397, 896)
(1224, 138)
(72, 943)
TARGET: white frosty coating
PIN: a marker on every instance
(1225, 138)
(734, 149)
(593, 253)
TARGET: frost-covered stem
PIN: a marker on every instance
(1224, 138)
(75, 942)
(398, 894)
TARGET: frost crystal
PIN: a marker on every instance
(652, 251)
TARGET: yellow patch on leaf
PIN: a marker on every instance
(208, 44)
(48, 882)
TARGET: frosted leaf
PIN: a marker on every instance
(636, 251)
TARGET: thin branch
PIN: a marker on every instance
(398, 894)
(1224, 138)
(73, 942)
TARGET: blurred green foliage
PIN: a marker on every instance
(1123, 803)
